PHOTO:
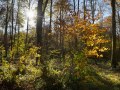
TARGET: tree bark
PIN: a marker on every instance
(78, 7)
(26, 41)
(12, 24)
(51, 14)
(93, 3)
(6, 32)
(113, 57)
(84, 6)
(39, 27)
(74, 5)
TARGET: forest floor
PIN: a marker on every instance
(105, 78)
(101, 77)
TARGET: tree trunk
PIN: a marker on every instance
(12, 24)
(78, 7)
(18, 27)
(84, 6)
(93, 3)
(39, 28)
(51, 14)
(74, 5)
(26, 41)
(113, 57)
(48, 33)
(6, 32)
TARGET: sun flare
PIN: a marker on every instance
(30, 14)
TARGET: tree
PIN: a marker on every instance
(62, 7)
(51, 5)
(74, 5)
(84, 7)
(6, 32)
(48, 34)
(78, 7)
(12, 23)
(113, 57)
(40, 16)
(93, 8)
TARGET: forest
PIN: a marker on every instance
(59, 44)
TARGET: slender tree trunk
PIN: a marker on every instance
(48, 35)
(6, 32)
(18, 27)
(63, 32)
(75, 36)
(74, 5)
(18, 34)
(84, 6)
(12, 24)
(11, 36)
(113, 57)
(93, 3)
(51, 5)
(60, 45)
(78, 7)
(26, 41)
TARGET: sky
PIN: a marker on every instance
(32, 14)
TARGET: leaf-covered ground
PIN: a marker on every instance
(105, 78)
(99, 77)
